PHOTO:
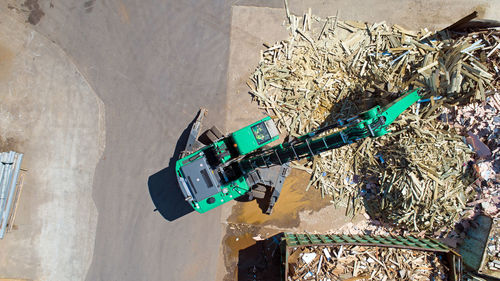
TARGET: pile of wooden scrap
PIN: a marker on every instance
(331, 69)
(364, 263)
(424, 184)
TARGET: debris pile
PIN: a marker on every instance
(480, 122)
(423, 183)
(367, 263)
(331, 69)
(493, 247)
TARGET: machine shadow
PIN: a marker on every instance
(163, 187)
(261, 261)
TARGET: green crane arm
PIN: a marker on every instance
(371, 123)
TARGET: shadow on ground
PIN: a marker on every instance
(261, 261)
(164, 189)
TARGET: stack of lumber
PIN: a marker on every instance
(329, 69)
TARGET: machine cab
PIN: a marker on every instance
(255, 136)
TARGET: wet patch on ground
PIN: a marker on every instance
(89, 6)
(29, 10)
(247, 256)
(251, 243)
(8, 144)
(293, 199)
(35, 12)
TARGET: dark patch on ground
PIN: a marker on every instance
(8, 144)
(163, 187)
(248, 259)
(89, 6)
(261, 261)
(35, 12)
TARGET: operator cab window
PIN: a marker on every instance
(261, 133)
(206, 178)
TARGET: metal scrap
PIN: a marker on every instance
(10, 164)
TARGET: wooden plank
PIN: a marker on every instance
(461, 22)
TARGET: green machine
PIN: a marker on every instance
(240, 164)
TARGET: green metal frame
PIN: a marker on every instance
(407, 242)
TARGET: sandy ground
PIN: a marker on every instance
(49, 113)
(153, 64)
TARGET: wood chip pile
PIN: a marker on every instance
(329, 69)
(364, 263)
(424, 182)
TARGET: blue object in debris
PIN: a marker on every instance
(428, 100)
(380, 158)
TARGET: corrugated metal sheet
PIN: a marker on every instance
(10, 164)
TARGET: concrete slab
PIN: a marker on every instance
(49, 112)
(247, 37)
(153, 63)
